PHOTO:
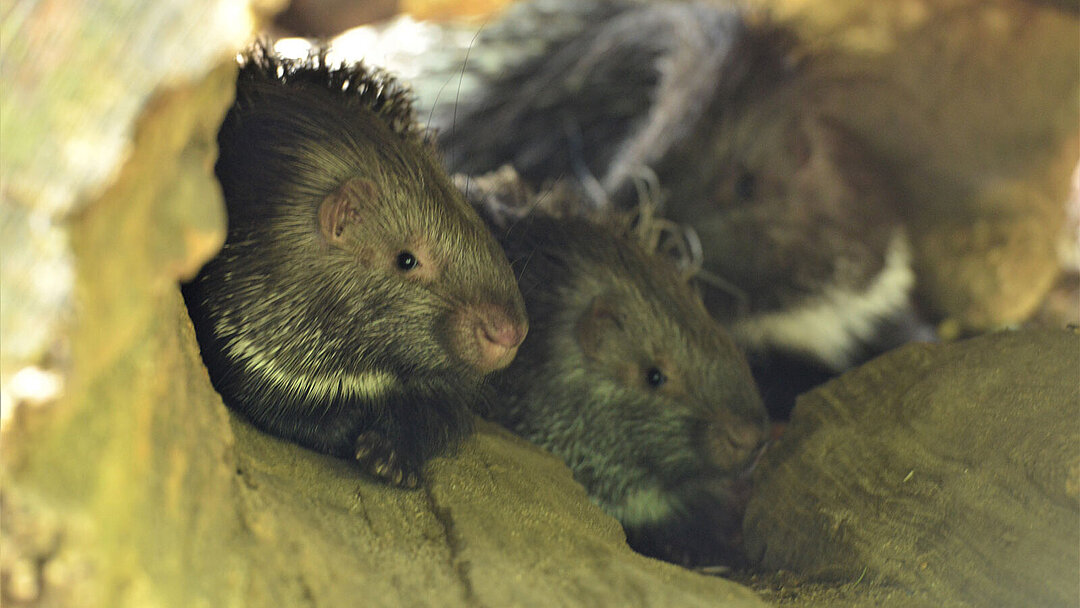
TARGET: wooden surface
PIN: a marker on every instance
(936, 475)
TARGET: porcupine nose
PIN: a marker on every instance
(498, 337)
(732, 443)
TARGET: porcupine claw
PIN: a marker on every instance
(377, 457)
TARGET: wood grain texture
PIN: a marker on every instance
(945, 473)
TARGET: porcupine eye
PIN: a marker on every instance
(407, 261)
(746, 186)
(655, 378)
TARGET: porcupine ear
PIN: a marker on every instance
(344, 207)
(596, 325)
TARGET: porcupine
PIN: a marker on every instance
(625, 376)
(358, 303)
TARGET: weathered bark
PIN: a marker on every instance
(936, 475)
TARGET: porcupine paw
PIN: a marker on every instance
(378, 457)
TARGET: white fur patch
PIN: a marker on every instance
(642, 507)
(831, 326)
(367, 384)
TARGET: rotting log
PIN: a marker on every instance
(935, 475)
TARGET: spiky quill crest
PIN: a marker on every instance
(353, 83)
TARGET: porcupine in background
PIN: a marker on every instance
(803, 255)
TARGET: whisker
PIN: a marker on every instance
(528, 259)
(457, 95)
(528, 210)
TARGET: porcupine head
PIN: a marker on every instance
(358, 303)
